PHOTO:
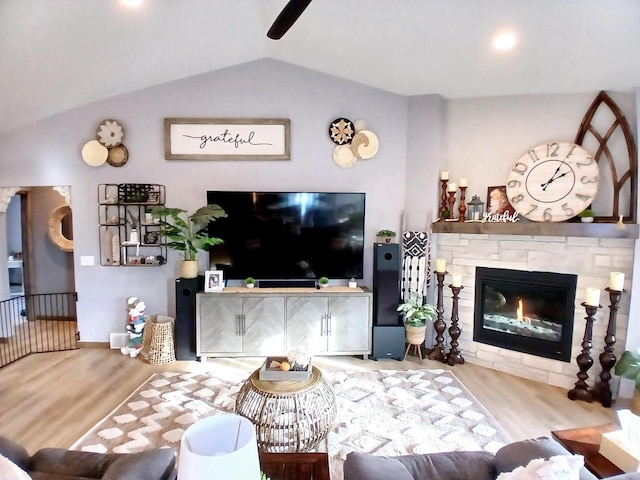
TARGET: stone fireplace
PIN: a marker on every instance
(529, 312)
(588, 253)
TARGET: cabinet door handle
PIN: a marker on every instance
(323, 320)
(239, 325)
(329, 325)
(244, 325)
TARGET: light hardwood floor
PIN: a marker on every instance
(52, 399)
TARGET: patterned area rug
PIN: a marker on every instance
(385, 412)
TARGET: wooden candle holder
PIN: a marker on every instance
(439, 325)
(452, 204)
(463, 207)
(454, 356)
(601, 390)
(443, 199)
(581, 390)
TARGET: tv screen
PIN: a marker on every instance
(288, 235)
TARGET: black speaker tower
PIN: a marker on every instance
(185, 324)
(386, 284)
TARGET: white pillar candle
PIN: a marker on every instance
(456, 280)
(441, 265)
(452, 187)
(616, 281)
(463, 182)
(444, 175)
(593, 297)
(476, 215)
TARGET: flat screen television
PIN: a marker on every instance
(288, 235)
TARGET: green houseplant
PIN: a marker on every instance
(416, 315)
(323, 282)
(250, 282)
(385, 235)
(188, 233)
(628, 366)
(586, 216)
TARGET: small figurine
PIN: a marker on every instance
(135, 327)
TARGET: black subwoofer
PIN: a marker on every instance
(386, 284)
(185, 324)
(388, 342)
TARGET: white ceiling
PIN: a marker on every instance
(59, 54)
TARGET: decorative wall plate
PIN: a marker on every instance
(343, 156)
(94, 153)
(341, 131)
(110, 133)
(367, 144)
(118, 156)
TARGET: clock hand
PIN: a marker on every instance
(545, 185)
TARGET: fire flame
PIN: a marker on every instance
(519, 310)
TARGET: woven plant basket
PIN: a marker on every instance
(157, 340)
(415, 335)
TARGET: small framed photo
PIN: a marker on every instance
(498, 202)
(213, 281)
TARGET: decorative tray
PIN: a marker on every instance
(274, 373)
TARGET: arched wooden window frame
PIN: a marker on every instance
(618, 181)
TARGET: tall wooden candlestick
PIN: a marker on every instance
(581, 390)
(439, 325)
(454, 356)
(443, 199)
(601, 390)
(463, 207)
(452, 204)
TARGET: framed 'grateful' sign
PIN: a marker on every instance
(227, 138)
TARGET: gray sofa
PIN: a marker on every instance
(61, 464)
(476, 465)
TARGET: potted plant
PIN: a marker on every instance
(416, 315)
(353, 283)
(385, 236)
(586, 216)
(628, 366)
(323, 282)
(188, 233)
(250, 282)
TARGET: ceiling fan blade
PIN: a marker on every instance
(287, 18)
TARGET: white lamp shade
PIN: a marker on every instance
(221, 447)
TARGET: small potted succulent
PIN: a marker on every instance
(323, 282)
(385, 236)
(250, 282)
(586, 216)
(353, 283)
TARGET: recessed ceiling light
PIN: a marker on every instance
(504, 41)
(131, 3)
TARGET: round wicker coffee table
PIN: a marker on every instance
(289, 416)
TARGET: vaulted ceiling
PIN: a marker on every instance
(60, 54)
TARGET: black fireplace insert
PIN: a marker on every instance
(529, 312)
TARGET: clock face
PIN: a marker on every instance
(553, 182)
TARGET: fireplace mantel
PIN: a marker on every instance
(599, 230)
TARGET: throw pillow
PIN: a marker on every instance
(559, 467)
(10, 471)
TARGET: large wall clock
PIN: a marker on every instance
(553, 182)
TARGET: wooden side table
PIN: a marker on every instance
(586, 442)
(295, 466)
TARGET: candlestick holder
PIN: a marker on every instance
(463, 206)
(601, 390)
(454, 356)
(439, 325)
(452, 204)
(581, 390)
(443, 199)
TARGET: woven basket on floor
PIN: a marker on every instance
(157, 340)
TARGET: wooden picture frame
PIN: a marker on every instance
(227, 139)
(213, 281)
(498, 202)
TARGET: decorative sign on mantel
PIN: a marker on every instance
(227, 138)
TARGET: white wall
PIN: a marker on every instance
(48, 153)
